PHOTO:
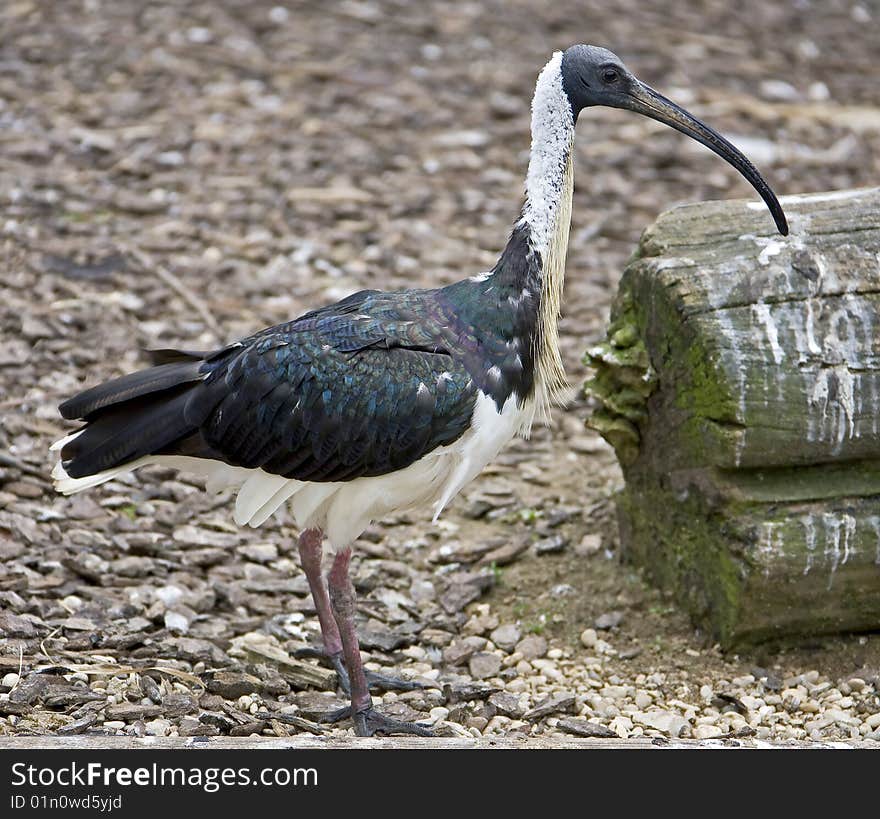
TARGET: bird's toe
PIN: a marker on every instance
(387, 682)
(370, 722)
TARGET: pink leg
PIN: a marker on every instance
(367, 721)
(344, 604)
(310, 556)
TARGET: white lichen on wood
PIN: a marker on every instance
(753, 470)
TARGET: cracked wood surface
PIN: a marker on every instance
(741, 388)
(784, 328)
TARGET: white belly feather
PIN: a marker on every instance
(344, 509)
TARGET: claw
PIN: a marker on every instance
(369, 722)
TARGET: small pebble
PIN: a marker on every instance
(484, 664)
(506, 636)
(666, 722)
(157, 727)
(176, 623)
(642, 700)
(439, 714)
(532, 647)
(708, 731)
(551, 545)
(589, 545)
(588, 638)
(609, 620)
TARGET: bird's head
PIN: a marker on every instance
(595, 76)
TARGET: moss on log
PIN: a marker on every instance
(740, 387)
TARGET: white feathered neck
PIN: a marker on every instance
(547, 213)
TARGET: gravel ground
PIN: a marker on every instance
(181, 174)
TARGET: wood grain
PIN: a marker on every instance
(740, 386)
(420, 743)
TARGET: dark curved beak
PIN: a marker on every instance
(645, 100)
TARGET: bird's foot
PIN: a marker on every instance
(369, 722)
(375, 680)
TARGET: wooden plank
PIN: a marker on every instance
(740, 387)
(308, 742)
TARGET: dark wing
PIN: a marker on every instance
(366, 386)
(353, 390)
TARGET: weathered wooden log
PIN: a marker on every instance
(740, 387)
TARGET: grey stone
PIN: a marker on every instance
(460, 651)
(78, 726)
(608, 620)
(467, 691)
(131, 711)
(462, 588)
(133, 566)
(666, 722)
(383, 639)
(589, 545)
(585, 728)
(14, 625)
(196, 650)
(157, 727)
(233, 684)
(29, 690)
(313, 704)
(506, 636)
(150, 688)
(484, 664)
(191, 727)
(507, 705)
(532, 647)
(503, 555)
(259, 552)
(176, 622)
(554, 704)
(551, 545)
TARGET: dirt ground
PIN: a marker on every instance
(179, 174)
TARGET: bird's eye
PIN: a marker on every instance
(610, 75)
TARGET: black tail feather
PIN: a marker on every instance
(127, 432)
(165, 356)
(143, 413)
(88, 404)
